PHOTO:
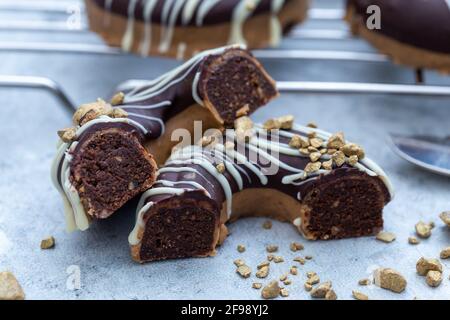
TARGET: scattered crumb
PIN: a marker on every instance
(331, 295)
(413, 240)
(263, 264)
(10, 288)
(68, 135)
(445, 253)
(284, 292)
(359, 295)
(272, 124)
(243, 111)
(424, 265)
(257, 285)
(117, 98)
(308, 257)
(286, 122)
(389, 279)
(327, 165)
(270, 257)
(385, 236)
(308, 287)
(239, 262)
(310, 274)
(240, 248)
(321, 290)
(244, 271)
(263, 272)
(312, 167)
(336, 141)
(445, 217)
(300, 260)
(423, 229)
(272, 290)
(338, 158)
(313, 280)
(283, 277)
(316, 142)
(267, 224)
(352, 149)
(312, 125)
(287, 282)
(295, 246)
(293, 270)
(434, 278)
(353, 160)
(278, 259)
(48, 243)
(272, 248)
(220, 168)
(364, 282)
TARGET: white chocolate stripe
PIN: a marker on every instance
(127, 39)
(243, 10)
(146, 42)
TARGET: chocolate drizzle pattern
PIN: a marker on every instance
(148, 106)
(172, 13)
(193, 168)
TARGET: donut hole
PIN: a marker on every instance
(109, 168)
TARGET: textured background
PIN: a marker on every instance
(30, 207)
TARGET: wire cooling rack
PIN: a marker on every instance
(68, 16)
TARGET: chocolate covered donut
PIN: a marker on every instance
(415, 33)
(180, 28)
(321, 183)
(111, 154)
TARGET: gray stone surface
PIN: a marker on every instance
(31, 209)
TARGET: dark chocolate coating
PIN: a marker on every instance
(219, 13)
(420, 23)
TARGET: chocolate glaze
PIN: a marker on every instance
(421, 23)
(219, 13)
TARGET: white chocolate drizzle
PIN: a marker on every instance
(127, 40)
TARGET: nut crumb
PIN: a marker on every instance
(423, 229)
(316, 142)
(413, 240)
(10, 288)
(327, 165)
(338, 158)
(353, 160)
(434, 278)
(272, 290)
(244, 271)
(445, 217)
(424, 265)
(240, 248)
(267, 224)
(308, 257)
(298, 142)
(385, 236)
(287, 282)
(352, 149)
(300, 260)
(286, 122)
(308, 287)
(331, 295)
(263, 272)
(314, 156)
(283, 277)
(243, 111)
(312, 167)
(270, 257)
(90, 111)
(239, 262)
(295, 246)
(48, 243)
(359, 295)
(321, 290)
(336, 141)
(389, 279)
(257, 285)
(312, 125)
(445, 253)
(364, 282)
(118, 113)
(244, 128)
(220, 168)
(272, 248)
(293, 270)
(313, 280)
(68, 135)
(263, 264)
(272, 124)
(284, 292)
(117, 98)
(278, 259)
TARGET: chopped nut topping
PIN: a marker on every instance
(364, 282)
(327, 165)
(272, 290)
(352, 160)
(244, 128)
(338, 158)
(308, 287)
(263, 264)
(445, 217)
(425, 265)
(331, 151)
(331, 295)
(423, 229)
(300, 260)
(313, 280)
(352, 149)
(270, 257)
(287, 282)
(244, 271)
(413, 240)
(434, 278)
(283, 277)
(304, 151)
(91, 111)
(389, 279)
(267, 224)
(257, 285)
(240, 248)
(295, 246)
(272, 124)
(117, 98)
(239, 262)
(263, 272)
(243, 111)
(315, 156)
(293, 270)
(68, 135)
(284, 292)
(359, 295)
(312, 149)
(311, 134)
(220, 168)
(298, 142)
(286, 122)
(10, 288)
(310, 274)
(445, 253)
(321, 290)
(272, 248)
(316, 142)
(336, 141)
(278, 259)
(118, 113)
(312, 167)
(312, 125)
(385, 236)
(48, 243)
